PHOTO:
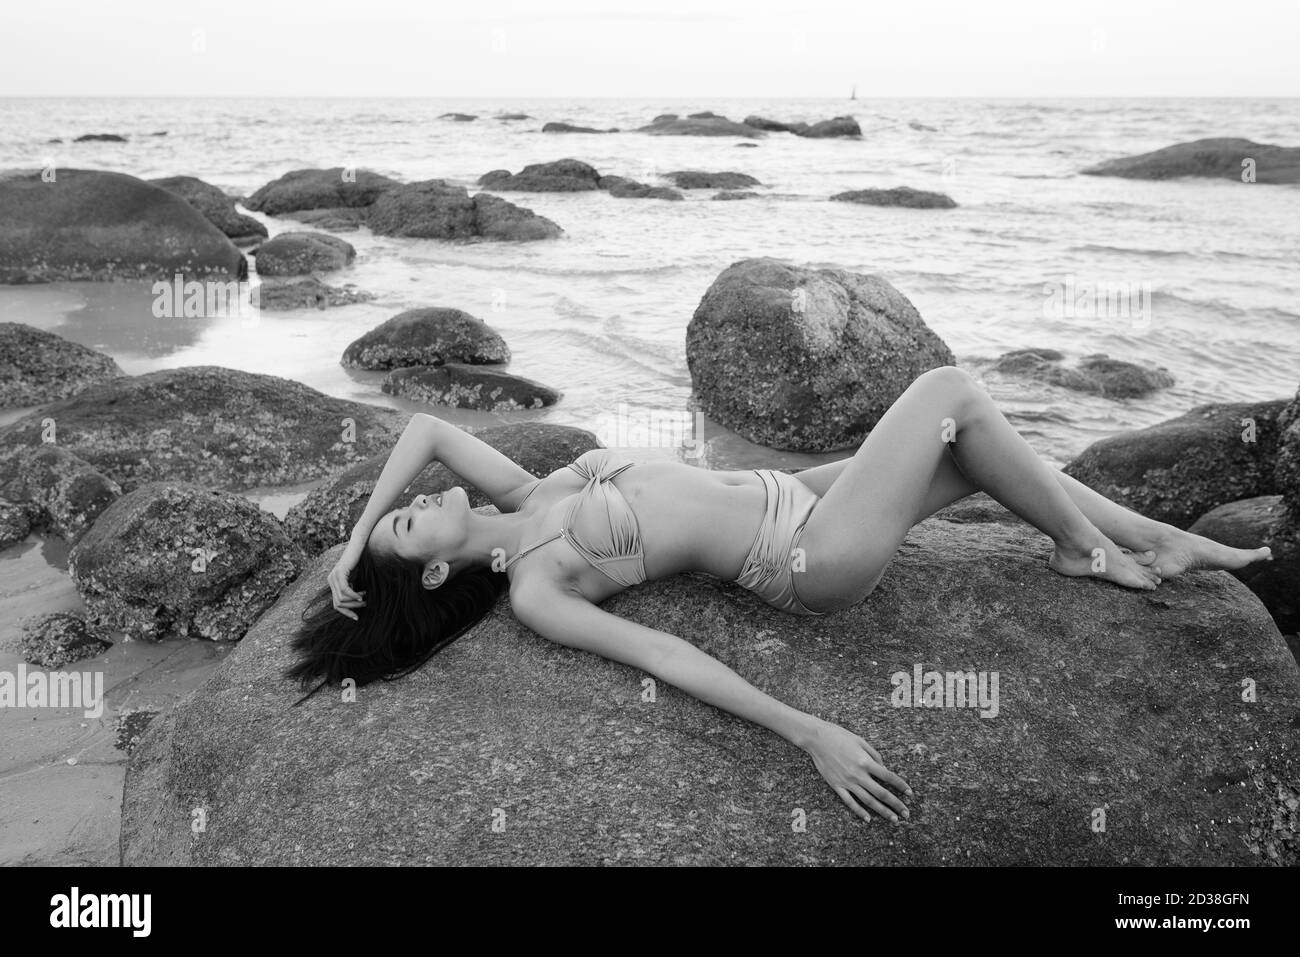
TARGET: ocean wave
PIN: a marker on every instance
(1130, 251)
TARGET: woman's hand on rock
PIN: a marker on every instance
(855, 772)
(345, 599)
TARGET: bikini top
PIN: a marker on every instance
(616, 552)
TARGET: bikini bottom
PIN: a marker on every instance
(769, 570)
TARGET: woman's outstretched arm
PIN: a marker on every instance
(848, 763)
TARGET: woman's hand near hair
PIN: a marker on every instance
(345, 599)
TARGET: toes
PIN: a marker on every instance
(1144, 558)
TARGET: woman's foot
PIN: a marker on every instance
(1177, 551)
(1102, 558)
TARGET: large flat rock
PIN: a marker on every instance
(1109, 701)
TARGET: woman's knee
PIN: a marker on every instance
(955, 385)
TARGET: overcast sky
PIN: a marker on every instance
(660, 48)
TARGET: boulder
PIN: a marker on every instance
(65, 493)
(699, 179)
(305, 292)
(458, 117)
(921, 127)
(699, 126)
(38, 366)
(728, 194)
(1177, 470)
(59, 639)
(630, 189)
(100, 138)
(435, 210)
(1251, 523)
(514, 116)
(774, 126)
(805, 359)
(320, 189)
(509, 749)
(170, 559)
(430, 336)
(1097, 373)
(1286, 474)
(485, 388)
(221, 428)
(570, 128)
(1223, 158)
(16, 521)
(342, 220)
(559, 176)
(898, 196)
(97, 225)
(216, 207)
(836, 126)
(301, 253)
(329, 512)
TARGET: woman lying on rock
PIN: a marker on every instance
(413, 579)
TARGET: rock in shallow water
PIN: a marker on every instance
(320, 189)
(1107, 699)
(280, 294)
(1178, 470)
(898, 196)
(700, 179)
(1223, 158)
(435, 210)
(420, 337)
(669, 124)
(340, 220)
(1252, 523)
(469, 387)
(60, 639)
(177, 560)
(805, 359)
(216, 206)
(97, 225)
(558, 176)
(571, 128)
(300, 253)
(221, 428)
(38, 366)
(1098, 373)
(64, 493)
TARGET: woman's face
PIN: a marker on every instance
(430, 528)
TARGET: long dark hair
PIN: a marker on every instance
(402, 625)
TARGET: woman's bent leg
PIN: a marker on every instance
(1166, 549)
(887, 485)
